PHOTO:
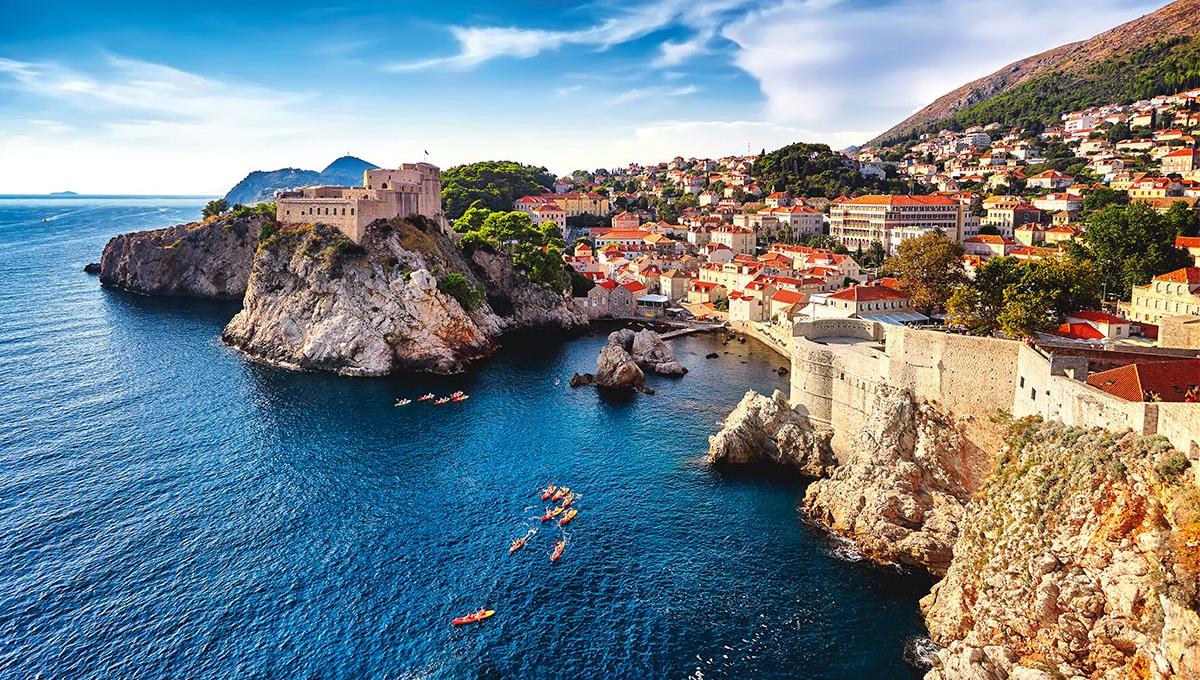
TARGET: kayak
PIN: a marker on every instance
(551, 514)
(403, 402)
(558, 551)
(560, 493)
(425, 397)
(568, 500)
(475, 617)
(460, 398)
(517, 544)
(548, 492)
(443, 400)
(569, 516)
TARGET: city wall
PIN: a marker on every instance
(841, 368)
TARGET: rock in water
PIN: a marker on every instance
(209, 259)
(582, 379)
(317, 300)
(91, 268)
(902, 489)
(616, 369)
(767, 429)
(647, 349)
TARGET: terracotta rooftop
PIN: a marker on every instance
(868, 294)
(1168, 380)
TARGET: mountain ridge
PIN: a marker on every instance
(261, 185)
(1180, 18)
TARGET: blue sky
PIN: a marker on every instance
(155, 98)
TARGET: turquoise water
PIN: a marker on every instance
(168, 509)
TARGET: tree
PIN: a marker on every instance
(213, 208)
(1102, 197)
(989, 230)
(873, 256)
(1021, 298)
(1130, 244)
(534, 249)
(929, 268)
(1182, 219)
(496, 184)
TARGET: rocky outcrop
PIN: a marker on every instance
(209, 259)
(901, 491)
(519, 305)
(766, 429)
(316, 300)
(628, 356)
(616, 369)
(1078, 558)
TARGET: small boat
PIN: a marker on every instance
(456, 393)
(403, 402)
(558, 550)
(568, 517)
(548, 492)
(518, 544)
(425, 397)
(562, 491)
(441, 400)
(474, 617)
(460, 398)
(551, 514)
(568, 500)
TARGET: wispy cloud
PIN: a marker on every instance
(568, 89)
(641, 93)
(479, 44)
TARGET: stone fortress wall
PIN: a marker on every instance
(411, 189)
(842, 367)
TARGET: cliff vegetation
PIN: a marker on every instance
(494, 184)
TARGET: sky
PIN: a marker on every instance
(186, 98)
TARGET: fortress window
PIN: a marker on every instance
(1033, 393)
(1022, 381)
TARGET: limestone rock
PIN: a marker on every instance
(582, 379)
(210, 259)
(92, 268)
(903, 487)
(316, 300)
(616, 369)
(1076, 559)
(767, 429)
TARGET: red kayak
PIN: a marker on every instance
(475, 617)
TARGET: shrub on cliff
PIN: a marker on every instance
(213, 208)
(535, 249)
(458, 287)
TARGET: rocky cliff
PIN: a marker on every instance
(766, 429)
(1078, 558)
(209, 259)
(406, 299)
(627, 357)
(901, 491)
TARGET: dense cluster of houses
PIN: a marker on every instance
(732, 251)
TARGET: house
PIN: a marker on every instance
(786, 304)
(626, 220)
(868, 301)
(1172, 294)
(700, 292)
(1191, 244)
(1059, 202)
(989, 245)
(1180, 161)
(778, 199)
(1093, 325)
(738, 239)
(1050, 179)
(1060, 233)
(674, 284)
(1169, 381)
(550, 212)
(1006, 213)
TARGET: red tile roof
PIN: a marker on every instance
(1097, 316)
(868, 294)
(1078, 331)
(902, 200)
(1168, 380)
(1184, 275)
(1187, 241)
(788, 297)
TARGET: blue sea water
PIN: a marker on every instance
(169, 509)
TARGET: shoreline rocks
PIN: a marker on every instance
(766, 429)
(209, 259)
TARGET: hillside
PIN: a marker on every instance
(1154, 54)
(261, 185)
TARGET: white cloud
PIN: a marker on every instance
(830, 62)
(478, 44)
(641, 93)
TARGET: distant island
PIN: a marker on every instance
(63, 193)
(261, 185)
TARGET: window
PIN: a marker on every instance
(1033, 393)
(1022, 381)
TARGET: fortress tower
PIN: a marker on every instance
(411, 189)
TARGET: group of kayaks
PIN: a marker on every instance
(563, 512)
(455, 398)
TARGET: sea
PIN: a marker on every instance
(169, 509)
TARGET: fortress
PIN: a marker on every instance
(841, 368)
(411, 189)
